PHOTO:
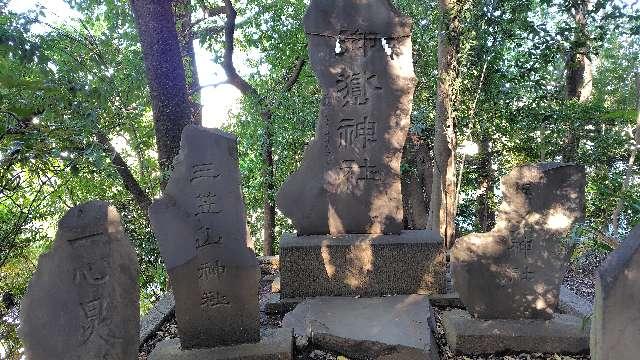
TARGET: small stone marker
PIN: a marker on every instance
(349, 181)
(201, 228)
(515, 270)
(615, 325)
(393, 327)
(83, 300)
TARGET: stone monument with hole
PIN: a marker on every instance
(509, 278)
(615, 324)
(83, 300)
(201, 228)
(345, 200)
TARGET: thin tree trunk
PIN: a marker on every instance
(615, 218)
(165, 73)
(485, 214)
(443, 194)
(416, 183)
(579, 75)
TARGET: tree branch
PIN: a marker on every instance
(227, 64)
(297, 70)
(130, 183)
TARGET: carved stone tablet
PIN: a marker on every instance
(515, 270)
(349, 181)
(83, 301)
(201, 228)
(615, 324)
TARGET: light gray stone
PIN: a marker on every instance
(366, 265)
(275, 285)
(201, 229)
(572, 304)
(515, 270)
(563, 334)
(157, 316)
(394, 327)
(349, 181)
(83, 301)
(615, 331)
(277, 346)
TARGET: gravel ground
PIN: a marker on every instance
(579, 279)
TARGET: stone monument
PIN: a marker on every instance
(514, 272)
(83, 300)
(345, 200)
(615, 324)
(202, 232)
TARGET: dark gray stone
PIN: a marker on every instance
(349, 181)
(394, 327)
(563, 334)
(277, 346)
(515, 271)
(157, 316)
(446, 300)
(83, 301)
(201, 229)
(274, 305)
(615, 325)
(366, 265)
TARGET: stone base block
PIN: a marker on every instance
(564, 334)
(277, 346)
(365, 265)
(274, 305)
(386, 328)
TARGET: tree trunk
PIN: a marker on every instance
(185, 34)
(485, 213)
(416, 183)
(443, 194)
(578, 74)
(615, 218)
(165, 73)
(269, 189)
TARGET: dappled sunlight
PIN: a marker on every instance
(557, 219)
(335, 223)
(326, 259)
(359, 264)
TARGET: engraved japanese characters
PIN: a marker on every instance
(201, 228)
(83, 301)
(349, 181)
(515, 270)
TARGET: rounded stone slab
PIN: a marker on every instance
(394, 327)
(615, 324)
(515, 270)
(83, 301)
(349, 180)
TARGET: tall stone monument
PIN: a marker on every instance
(201, 228)
(83, 300)
(514, 272)
(345, 200)
(615, 324)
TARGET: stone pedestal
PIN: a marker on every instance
(563, 334)
(277, 346)
(412, 262)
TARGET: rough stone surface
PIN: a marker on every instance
(446, 300)
(366, 265)
(83, 300)
(615, 331)
(349, 181)
(394, 327)
(157, 316)
(275, 305)
(573, 304)
(277, 346)
(515, 271)
(563, 334)
(201, 229)
(275, 285)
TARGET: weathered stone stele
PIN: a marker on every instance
(201, 229)
(515, 270)
(349, 181)
(615, 324)
(83, 301)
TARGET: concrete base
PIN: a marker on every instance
(365, 265)
(393, 327)
(446, 300)
(274, 305)
(277, 346)
(564, 334)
